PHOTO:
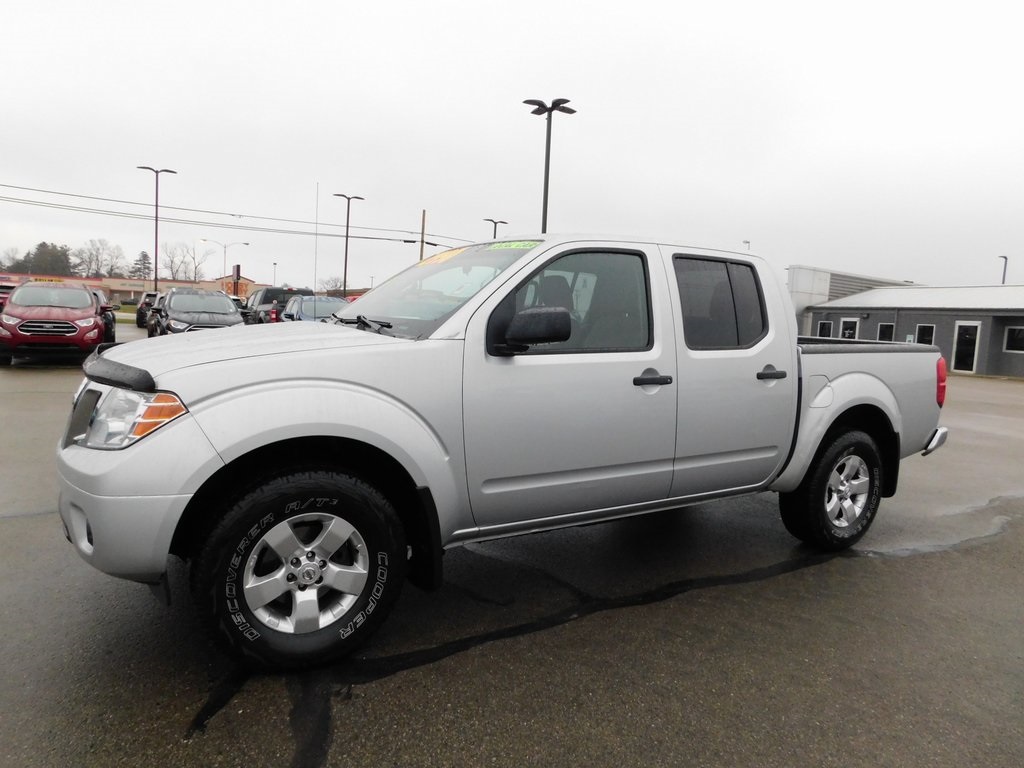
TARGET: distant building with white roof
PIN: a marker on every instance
(980, 329)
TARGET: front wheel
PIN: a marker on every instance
(838, 498)
(302, 570)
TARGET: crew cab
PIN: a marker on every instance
(46, 318)
(307, 469)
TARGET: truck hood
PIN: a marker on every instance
(162, 354)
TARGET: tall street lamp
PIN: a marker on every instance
(275, 273)
(225, 246)
(496, 222)
(348, 210)
(540, 108)
(156, 221)
(1006, 260)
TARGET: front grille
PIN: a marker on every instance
(48, 328)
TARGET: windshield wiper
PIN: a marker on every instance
(362, 321)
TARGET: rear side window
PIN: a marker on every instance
(721, 302)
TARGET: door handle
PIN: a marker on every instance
(769, 372)
(648, 380)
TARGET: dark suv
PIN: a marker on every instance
(182, 310)
(266, 305)
(142, 311)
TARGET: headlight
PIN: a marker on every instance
(10, 319)
(124, 416)
(85, 323)
(178, 325)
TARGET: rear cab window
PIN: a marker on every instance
(721, 302)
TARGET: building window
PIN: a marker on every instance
(848, 328)
(825, 329)
(886, 331)
(925, 334)
(1014, 339)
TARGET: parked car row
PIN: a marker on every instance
(46, 318)
(53, 317)
(191, 309)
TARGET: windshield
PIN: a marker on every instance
(215, 303)
(417, 301)
(48, 296)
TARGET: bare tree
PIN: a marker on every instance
(9, 256)
(181, 261)
(98, 258)
(329, 284)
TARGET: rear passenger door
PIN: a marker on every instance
(737, 384)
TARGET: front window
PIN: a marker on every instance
(418, 300)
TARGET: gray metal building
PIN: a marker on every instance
(980, 330)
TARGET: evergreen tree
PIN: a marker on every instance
(142, 267)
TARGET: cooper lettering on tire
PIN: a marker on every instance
(301, 570)
(838, 498)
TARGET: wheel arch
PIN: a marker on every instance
(414, 504)
(873, 421)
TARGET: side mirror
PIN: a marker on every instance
(539, 325)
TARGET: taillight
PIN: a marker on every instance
(940, 381)
(273, 315)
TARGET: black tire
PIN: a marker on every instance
(335, 529)
(5, 360)
(838, 498)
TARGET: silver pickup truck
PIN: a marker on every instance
(307, 469)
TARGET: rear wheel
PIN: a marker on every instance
(302, 570)
(837, 501)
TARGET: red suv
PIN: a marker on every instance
(44, 318)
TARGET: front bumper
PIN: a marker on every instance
(120, 508)
(128, 537)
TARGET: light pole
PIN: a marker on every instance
(495, 222)
(275, 273)
(225, 246)
(540, 108)
(747, 243)
(348, 210)
(1006, 260)
(156, 221)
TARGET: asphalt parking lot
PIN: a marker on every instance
(702, 637)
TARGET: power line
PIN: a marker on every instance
(193, 222)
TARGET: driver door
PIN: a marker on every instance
(567, 429)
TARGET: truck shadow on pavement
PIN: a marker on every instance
(527, 599)
(512, 589)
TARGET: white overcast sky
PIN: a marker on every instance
(878, 138)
